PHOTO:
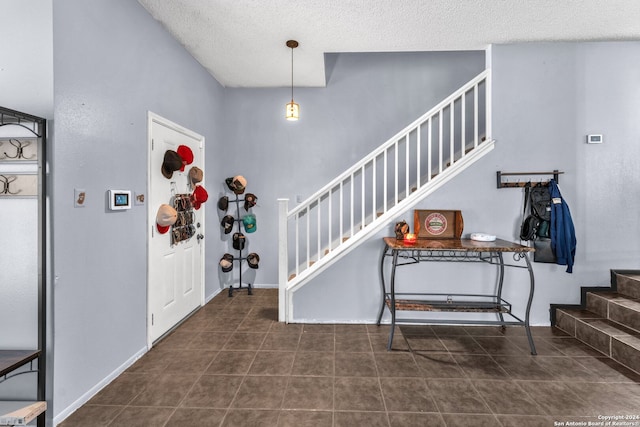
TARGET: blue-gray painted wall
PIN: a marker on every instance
(112, 63)
(546, 98)
(368, 99)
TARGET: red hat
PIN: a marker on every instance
(186, 154)
(199, 196)
(165, 218)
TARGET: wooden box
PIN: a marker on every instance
(438, 224)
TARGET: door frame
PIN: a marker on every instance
(151, 119)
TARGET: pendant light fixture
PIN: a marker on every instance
(292, 109)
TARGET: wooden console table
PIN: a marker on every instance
(20, 412)
(454, 250)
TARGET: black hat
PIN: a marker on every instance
(249, 201)
(226, 263)
(253, 259)
(223, 203)
(238, 241)
(237, 184)
(172, 162)
(227, 223)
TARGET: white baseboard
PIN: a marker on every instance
(212, 296)
(339, 322)
(255, 286)
(62, 415)
(264, 286)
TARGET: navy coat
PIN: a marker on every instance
(563, 234)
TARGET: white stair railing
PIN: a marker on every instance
(392, 178)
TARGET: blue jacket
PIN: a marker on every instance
(563, 234)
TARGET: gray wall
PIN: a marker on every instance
(112, 64)
(26, 37)
(546, 98)
(368, 98)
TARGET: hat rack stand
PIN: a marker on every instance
(252, 259)
(240, 258)
(501, 183)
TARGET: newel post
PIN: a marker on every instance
(283, 257)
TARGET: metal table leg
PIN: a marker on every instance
(500, 283)
(382, 283)
(393, 298)
(526, 319)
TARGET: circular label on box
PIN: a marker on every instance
(435, 223)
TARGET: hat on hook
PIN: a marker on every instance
(238, 241)
(199, 196)
(223, 203)
(253, 259)
(226, 263)
(186, 155)
(195, 175)
(237, 184)
(227, 223)
(172, 162)
(249, 201)
(249, 222)
(165, 218)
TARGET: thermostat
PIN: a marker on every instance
(594, 139)
(119, 200)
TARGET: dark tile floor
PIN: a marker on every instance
(233, 364)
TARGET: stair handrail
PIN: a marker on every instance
(380, 149)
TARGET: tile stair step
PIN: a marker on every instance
(626, 350)
(610, 338)
(629, 285)
(616, 307)
(566, 318)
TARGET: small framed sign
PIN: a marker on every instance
(438, 224)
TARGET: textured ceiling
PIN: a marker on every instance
(242, 42)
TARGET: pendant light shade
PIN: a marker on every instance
(292, 110)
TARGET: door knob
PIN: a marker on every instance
(200, 237)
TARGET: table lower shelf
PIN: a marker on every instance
(19, 412)
(475, 303)
(459, 306)
(458, 303)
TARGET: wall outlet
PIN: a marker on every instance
(79, 197)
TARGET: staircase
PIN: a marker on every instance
(390, 180)
(608, 318)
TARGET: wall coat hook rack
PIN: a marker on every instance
(6, 181)
(501, 183)
(28, 124)
(19, 150)
(18, 185)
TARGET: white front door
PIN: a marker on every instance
(175, 268)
